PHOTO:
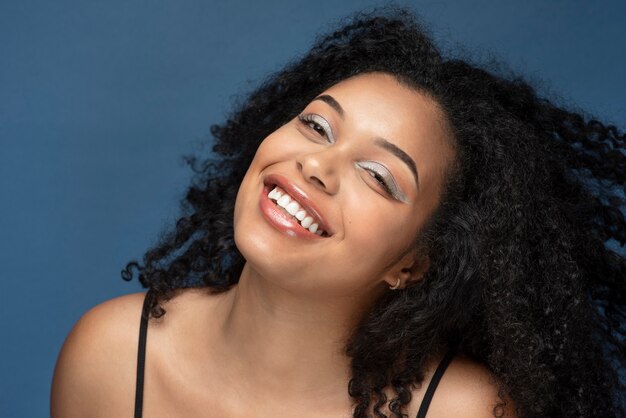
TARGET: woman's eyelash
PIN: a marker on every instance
(380, 179)
(382, 175)
(318, 122)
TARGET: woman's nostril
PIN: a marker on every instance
(318, 181)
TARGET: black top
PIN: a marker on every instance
(141, 354)
(141, 357)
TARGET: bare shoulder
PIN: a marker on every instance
(468, 389)
(95, 373)
(95, 370)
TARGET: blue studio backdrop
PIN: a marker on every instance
(100, 100)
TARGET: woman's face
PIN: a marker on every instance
(364, 161)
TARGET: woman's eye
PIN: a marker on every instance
(381, 180)
(384, 178)
(318, 125)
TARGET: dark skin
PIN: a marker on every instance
(273, 344)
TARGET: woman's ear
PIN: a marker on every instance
(410, 268)
(418, 269)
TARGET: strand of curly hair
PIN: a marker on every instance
(520, 280)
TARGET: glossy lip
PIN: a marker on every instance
(299, 196)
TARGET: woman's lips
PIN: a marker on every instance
(281, 220)
(300, 196)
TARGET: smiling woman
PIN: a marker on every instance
(386, 232)
(358, 192)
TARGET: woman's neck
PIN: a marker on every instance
(283, 343)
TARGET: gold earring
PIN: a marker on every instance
(396, 286)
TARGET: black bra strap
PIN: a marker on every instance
(434, 381)
(141, 354)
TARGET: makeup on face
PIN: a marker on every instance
(298, 214)
(379, 171)
(312, 213)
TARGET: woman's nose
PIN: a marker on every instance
(319, 169)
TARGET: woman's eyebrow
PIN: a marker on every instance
(395, 150)
(381, 142)
(330, 100)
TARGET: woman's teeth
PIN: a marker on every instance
(292, 207)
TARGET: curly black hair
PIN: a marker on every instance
(521, 277)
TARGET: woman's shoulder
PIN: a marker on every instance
(96, 368)
(98, 360)
(108, 328)
(468, 389)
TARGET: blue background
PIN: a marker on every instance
(99, 101)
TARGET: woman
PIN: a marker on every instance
(381, 222)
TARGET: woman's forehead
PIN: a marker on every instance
(389, 105)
